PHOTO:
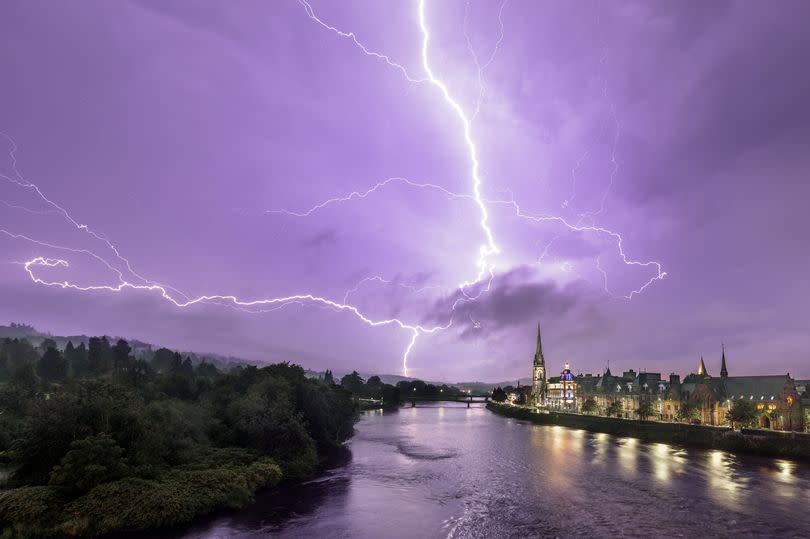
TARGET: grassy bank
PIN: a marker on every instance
(764, 443)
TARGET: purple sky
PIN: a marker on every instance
(174, 128)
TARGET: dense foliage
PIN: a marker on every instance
(645, 410)
(688, 412)
(590, 406)
(418, 388)
(742, 414)
(614, 409)
(97, 440)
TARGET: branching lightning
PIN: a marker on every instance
(470, 289)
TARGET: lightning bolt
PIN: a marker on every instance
(490, 247)
(486, 250)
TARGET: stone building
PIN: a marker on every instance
(776, 398)
(561, 392)
(780, 402)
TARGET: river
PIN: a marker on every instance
(449, 471)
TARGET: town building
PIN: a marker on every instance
(780, 402)
(562, 390)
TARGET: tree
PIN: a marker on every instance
(374, 382)
(614, 409)
(77, 360)
(328, 378)
(390, 395)
(98, 355)
(47, 343)
(120, 356)
(644, 410)
(89, 462)
(498, 394)
(352, 382)
(24, 377)
(741, 413)
(5, 361)
(589, 406)
(688, 411)
(162, 359)
(52, 367)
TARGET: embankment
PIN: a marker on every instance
(764, 443)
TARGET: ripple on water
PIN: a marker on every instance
(421, 452)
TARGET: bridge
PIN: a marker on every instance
(469, 399)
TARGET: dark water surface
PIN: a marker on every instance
(450, 471)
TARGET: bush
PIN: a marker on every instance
(742, 413)
(29, 511)
(140, 504)
(90, 462)
(614, 409)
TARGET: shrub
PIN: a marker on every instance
(29, 511)
(140, 504)
(90, 462)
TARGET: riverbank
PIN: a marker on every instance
(762, 443)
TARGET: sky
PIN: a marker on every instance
(633, 176)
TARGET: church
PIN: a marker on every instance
(781, 402)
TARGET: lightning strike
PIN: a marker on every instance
(353, 38)
(486, 250)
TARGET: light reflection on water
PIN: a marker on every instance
(450, 471)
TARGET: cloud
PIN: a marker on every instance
(326, 238)
(513, 299)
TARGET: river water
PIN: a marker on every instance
(449, 471)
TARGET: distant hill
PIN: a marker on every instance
(139, 348)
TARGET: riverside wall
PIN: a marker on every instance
(752, 441)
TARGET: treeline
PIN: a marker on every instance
(390, 395)
(97, 441)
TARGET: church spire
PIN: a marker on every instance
(723, 369)
(538, 353)
(702, 368)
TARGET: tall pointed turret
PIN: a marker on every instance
(538, 352)
(539, 373)
(723, 369)
(702, 368)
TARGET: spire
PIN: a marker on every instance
(702, 368)
(723, 369)
(538, 353)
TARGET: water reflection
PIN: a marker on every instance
(449, 471)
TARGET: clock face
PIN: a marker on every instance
(790, 400)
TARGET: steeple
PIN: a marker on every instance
(539, 373)
(538, 353)
(702, 368)
(723, 369)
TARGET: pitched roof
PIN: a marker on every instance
(761, 387)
